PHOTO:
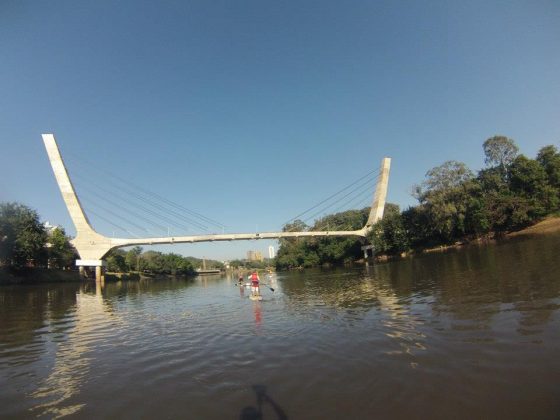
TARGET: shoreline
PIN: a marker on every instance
(30, 276)
(38, 276)
(549, 225)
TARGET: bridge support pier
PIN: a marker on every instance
(366, 248)
(99, 273)
(98, 264)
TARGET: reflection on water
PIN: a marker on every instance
(71, 361)
(258, 313)
(466, 333)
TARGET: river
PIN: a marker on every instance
(468, 333)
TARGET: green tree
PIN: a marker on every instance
(116, 261)
(310, 252)
(61, 253)
(291, 253)
(132, 258)
(22, 236)
(333, 250)
(549, 158)
(152, 261)
(444, 196)
(159, 263)
(237, 264)
(491, 203)
(449, 175)
(529, 180)
(522, 197)
(477, 221)
(417, 225)
(512, 192)
(176, 265)
(500, 151)
(295, 226)
(184, 267)
(389, 235)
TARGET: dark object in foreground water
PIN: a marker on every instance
(252, 413)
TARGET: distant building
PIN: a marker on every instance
(50, 228)
(271, 253)
(254, 256)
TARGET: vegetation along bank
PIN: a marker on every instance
(455, 205)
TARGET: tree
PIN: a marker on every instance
(477, 219)
(116, 261)
(500, 151)
(309, 252)
(295, 226)
(514, 201)
(150, 261)
(449, 175)
(61, 252)
(291, 251)
(184, 267)
(237, 264)
(417, 226)
(511, 193)
(444, 196)
(176, 264)
(389, 235)
(153, 262)
(22, 236)
(529, 180)
(132, 258)
(549, 158)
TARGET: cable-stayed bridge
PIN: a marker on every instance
(93, 246)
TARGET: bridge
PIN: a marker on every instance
(93, 246)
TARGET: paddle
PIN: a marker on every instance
(271, 289)
(248, 284)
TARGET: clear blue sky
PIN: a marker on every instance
(250, 112)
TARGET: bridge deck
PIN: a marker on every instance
(120, 242)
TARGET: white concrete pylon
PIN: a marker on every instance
(89, 244)
(378, 205)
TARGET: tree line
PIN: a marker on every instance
(27, 242)
(454, 204)
(153, 262)
(312, 252)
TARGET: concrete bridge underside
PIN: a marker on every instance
(93, 246)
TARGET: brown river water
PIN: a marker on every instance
(470, 333)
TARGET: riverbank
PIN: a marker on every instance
(547, 226)
(550, 225)
(121, 276)
(37, 275)
(43, 275)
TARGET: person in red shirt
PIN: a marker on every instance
(254, 277)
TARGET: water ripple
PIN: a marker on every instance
(424, 335)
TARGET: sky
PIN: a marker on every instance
(250, 112)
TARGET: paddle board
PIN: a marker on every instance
(255, 297)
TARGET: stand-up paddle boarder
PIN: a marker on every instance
(254, 283)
